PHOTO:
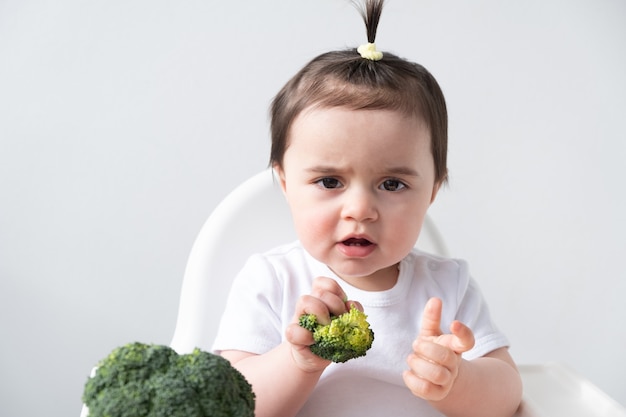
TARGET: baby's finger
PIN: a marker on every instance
(308, 304)
(325, 284)
(421, 387)
(335, 305)
(436, 352)
(331, 294)
(431, 318)
(463, 339)
(297, 335)
(429, 370)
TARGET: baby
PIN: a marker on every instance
(359, 143)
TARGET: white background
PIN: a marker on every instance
(123, 124)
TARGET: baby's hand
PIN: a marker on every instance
(326, 299)
(436, 358)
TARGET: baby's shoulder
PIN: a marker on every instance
(424, 263)
(290, 260)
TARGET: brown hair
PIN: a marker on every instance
(345, 79)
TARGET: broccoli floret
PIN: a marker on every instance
(141, 380)
(348, 336)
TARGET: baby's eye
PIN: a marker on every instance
(329, 183)
(392, 185)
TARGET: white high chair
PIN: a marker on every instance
(254, 217)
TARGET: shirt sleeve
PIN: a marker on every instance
(474, 312)
(251, 320)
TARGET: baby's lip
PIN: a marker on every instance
(357, 241)
(357, 246)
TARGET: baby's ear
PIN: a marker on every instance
(436, 187)
(280, 173)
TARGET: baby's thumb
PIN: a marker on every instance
(355, 304)
(463, 337)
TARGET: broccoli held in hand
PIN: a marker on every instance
(140, 380)
(347, 336)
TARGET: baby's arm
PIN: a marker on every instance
(487, 386)
(283, 378)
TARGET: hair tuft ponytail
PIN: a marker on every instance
(371, 11)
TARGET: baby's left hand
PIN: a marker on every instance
(436, 358)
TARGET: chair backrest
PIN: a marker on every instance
(253, 218)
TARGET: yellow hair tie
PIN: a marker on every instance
(368, 51)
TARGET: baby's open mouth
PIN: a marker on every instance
(356, 242)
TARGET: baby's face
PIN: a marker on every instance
(358, 184)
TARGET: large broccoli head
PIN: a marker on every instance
(141, 380)
(347, 336)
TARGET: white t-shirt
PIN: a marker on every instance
(262, 301)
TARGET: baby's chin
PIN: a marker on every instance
(376, 280)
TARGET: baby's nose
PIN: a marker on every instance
(360, 205)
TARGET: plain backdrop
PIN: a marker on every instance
(123, 124)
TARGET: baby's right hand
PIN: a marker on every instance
(326, 299)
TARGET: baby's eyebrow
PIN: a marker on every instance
(393, 170)
(322, 169)
(401, 170)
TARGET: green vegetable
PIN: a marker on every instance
(141, 380)
(348, 336)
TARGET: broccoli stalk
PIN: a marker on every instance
(348, 336)
(140, 380)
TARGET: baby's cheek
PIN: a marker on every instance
(316, 227)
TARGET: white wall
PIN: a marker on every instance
(123, 123)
